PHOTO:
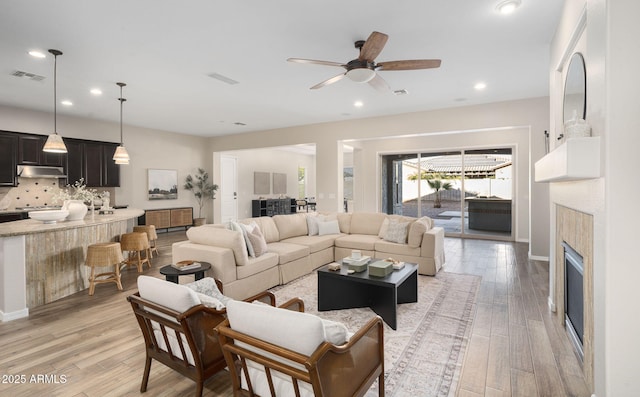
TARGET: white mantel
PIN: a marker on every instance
(575, 159)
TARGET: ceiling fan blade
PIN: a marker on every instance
(373, 46)
(411, 64)
(315, 62)
(329, 81)
(379, 84)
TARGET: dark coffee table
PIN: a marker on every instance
(171, 273)
(341, 290)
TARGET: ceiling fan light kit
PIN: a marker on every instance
(364, 68)
(54, 143)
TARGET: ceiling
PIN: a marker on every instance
(166, 51)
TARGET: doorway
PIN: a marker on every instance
(228, 188)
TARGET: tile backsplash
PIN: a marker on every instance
(35, 192)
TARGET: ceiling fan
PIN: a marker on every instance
(363, 69)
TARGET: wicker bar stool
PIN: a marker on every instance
(103, 255)
(151, 235)
(135, 243)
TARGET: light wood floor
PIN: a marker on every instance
(92, 346)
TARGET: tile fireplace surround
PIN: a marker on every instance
(576, 229)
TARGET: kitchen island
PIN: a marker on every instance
(40, 263)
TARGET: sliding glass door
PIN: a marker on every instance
(466, 192)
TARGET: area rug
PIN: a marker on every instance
(423, 357)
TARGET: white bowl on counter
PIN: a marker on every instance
(49, 216)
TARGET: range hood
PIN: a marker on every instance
(40, 171)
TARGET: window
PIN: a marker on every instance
(302, 183)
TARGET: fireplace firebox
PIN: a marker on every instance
(574, 297)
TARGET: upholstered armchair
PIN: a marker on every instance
(275, 352)
(177, 324)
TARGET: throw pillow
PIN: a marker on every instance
(238, 228)
(384, 228)
(335, 332)
(210, 301)
(257, 241)
(328, 227)
(417, 230)
(207, 286)
(312, 224)
(397, 232)
(246, 229)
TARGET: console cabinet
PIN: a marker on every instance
(271, 207)
(168, 217)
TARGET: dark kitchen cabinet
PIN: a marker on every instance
(8, 146)
(30, 151)
(92, 161)
(111, 170)
(75, 161)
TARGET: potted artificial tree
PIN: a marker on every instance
(202, 189)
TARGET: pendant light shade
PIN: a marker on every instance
(54, 143)
(121, 156)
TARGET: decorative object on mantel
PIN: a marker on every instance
(121, 156)
(202, 189)
(54, 143)
(576, 128)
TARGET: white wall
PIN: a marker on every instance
(609, 45)
(272, 161)
(147, 148)
(531, 114)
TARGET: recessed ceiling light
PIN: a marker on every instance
(37, 54)
(358, 104)
(67, 103)
(480, 86)
(96, 91)
(508, 6)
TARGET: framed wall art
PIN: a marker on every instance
(162, 184)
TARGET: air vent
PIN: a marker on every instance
(222, 78)
(27, 75)
(239, 123)
(400, 92)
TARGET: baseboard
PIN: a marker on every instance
(4, 317)
(552, 306)
(538, 258)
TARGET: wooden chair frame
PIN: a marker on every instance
(330, 369)
(196, 325)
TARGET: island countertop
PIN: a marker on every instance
(41, 263)
(31, 226)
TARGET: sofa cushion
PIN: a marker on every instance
(357, 241)
(218, 237)
(174, 296)
(344, 219)
(257, 265)
(267, 227)
(417, 229)
(366, 223)
(315, 243)
(292, 225)
(288, 252)
(386, 247)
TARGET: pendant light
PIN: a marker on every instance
(54, 143)
(121, 156)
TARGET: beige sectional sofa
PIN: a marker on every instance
(292, 252)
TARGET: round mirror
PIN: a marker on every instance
(575, 89)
